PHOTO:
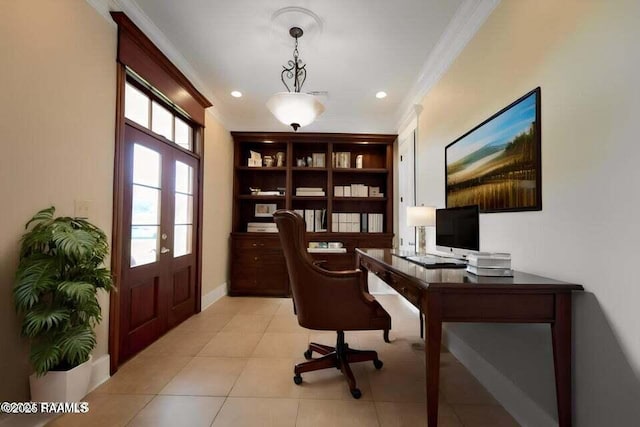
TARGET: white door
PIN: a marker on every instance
(406, 186)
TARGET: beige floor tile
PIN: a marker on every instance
(261, 306)
(285, 323)
(250, 412)
(484, 416)
(208, 324)
(460, 387)
(105, 410)
(336, 413)
(247, 323)
(331, 384)
(227, 304)
(267, 378)
(231, 344)
(399, 380)
(286, 308)
(179, 343)
(170, 411)
(403, 414)
(144, 374)
(206, 376)
(282, 345)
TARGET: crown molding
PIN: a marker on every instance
(135, 14)
(463, 27)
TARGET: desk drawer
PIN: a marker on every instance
(257, 243)
(403, 286)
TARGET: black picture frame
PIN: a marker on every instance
(497, 164)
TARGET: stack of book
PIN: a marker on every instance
(346, 222)
(490, 264)
(262, 227)
(310, 191)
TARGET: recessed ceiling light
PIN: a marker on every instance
(236, 94)
(381, 94)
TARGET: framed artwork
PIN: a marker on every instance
(496, 165)
(265, 209)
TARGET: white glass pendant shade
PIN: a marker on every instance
(295, 109)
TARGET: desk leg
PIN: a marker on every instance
(561, 338)
(432, 349)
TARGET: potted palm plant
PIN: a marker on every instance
(60, 272)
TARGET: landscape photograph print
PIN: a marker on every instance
(496, 165)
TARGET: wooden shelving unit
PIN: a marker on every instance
(258, 266)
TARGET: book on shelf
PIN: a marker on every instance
(315, 219)
(310, 191)
(490, 260)
(327, 250)
(269, 193)
(354, 222)
(262, 227)
(491, 272)
(356, 190)
(341, 159)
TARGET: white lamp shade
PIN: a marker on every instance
(295, 107)
(419, 216)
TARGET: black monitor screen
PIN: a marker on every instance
(458, 228)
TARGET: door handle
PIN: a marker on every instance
(164, 250)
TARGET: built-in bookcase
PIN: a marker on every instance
(304, 171)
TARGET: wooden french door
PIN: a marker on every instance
(158, 287)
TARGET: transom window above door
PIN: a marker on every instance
(140, 108)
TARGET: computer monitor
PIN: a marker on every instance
(458, 230)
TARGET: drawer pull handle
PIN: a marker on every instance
(255, 258)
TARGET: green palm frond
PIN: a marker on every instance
(73, 242)
(41, 319)
(79, 292)
(43, 215)
(77, 344)
(35, 276)
(45, 355)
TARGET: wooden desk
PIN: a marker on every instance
(453, 295)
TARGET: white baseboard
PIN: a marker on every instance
(100, 371)
(521, 407)
(213, 296)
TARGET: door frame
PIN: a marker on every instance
(408, 135)
(119, 184)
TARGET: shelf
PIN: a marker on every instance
(262, 169)
(296, 198)
(359, 199)
(252, 197)
(361, 170)
(308, 169)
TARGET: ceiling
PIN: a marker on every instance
(359, 48)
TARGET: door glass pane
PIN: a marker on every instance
(145, 206)
(144, 245)
(182, 240)
(161, 121)
(146, 166)
(136, 105)
(184, 178)
(183, 134)
(184, 209)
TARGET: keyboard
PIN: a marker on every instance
(432, 261)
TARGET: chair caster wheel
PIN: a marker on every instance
(378, 364)
(297, 379)
(356, 393)
(307, 354)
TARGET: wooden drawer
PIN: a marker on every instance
(257, 243)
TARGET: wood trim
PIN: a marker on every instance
(315, 137)
(138, 52)
(116, 237)
(198, 142)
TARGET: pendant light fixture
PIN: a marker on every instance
(295, 108)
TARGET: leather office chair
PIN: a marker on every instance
(328, 301)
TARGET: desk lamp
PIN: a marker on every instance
(421, 217)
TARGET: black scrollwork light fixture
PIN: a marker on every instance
(295, 108)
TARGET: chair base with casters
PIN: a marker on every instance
(338, 357)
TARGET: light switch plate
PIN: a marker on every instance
(82, 208)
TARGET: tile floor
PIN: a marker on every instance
(232, 365)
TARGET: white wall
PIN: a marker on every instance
(57, 115)
(585, 56)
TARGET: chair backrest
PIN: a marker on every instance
(325, 300)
